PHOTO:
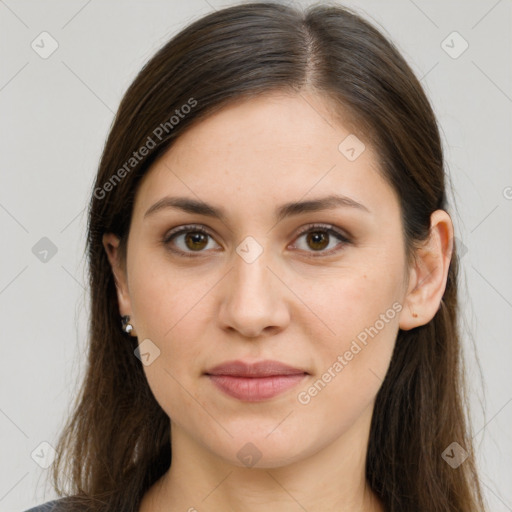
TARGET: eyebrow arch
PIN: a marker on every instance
(286, 210)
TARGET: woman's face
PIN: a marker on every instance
(257, 285)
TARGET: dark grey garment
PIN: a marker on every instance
(49, 506)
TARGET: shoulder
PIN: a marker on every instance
(58, 505)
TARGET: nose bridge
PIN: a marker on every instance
(250, 282)
(253, 298)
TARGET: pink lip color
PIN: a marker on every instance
(255, 389)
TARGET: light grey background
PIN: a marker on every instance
(55, 116)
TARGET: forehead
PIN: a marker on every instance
(273, 148)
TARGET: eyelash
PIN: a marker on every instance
(327, 228)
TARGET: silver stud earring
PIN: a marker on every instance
(127, 327)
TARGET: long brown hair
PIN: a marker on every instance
(116, 443)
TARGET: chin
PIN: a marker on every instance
(261, 452)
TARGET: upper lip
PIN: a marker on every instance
(265, 368)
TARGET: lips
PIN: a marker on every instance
(259, 369)
(254, 382)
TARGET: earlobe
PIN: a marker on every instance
(429, 274)
(111, 245)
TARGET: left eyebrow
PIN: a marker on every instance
(190, 205)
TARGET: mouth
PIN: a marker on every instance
(265, 368)
(254, 382)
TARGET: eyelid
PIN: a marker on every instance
(325, 227)
(184, 228)
(344, 237)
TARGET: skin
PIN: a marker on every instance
(250, 158)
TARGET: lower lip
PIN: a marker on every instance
(255, 389)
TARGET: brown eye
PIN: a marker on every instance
(318, 238)
(188, 240)
(195, 240)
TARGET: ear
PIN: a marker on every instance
(111, 245)
(428, 275)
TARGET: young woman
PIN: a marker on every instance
(273, 283)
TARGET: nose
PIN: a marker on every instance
(254, 299)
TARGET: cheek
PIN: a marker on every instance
(350, 370)
(165, 298)
(170, 310)
(351, 302)
(352, 355)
